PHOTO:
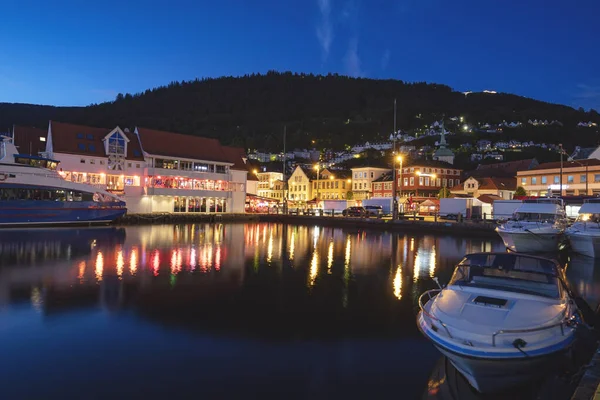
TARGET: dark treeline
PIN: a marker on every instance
(333, 110)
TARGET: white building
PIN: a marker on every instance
(154, 171)
(362, 179)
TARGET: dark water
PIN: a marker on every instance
(223, 311)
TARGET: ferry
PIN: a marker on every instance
(32, 192)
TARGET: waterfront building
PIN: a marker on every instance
(579, 177)
(362, 179)
(153, 171)
(299, 185)
(332, 185)
(266, 183)
(502, 188)
(422, 178)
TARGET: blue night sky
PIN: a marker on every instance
(82, 52)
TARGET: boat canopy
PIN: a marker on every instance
(512, 261)
(590, 208)
(538, 208)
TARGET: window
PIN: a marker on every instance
(101, 162)
(544, 180)
(556, 179)
(200, 167)
(570, 179)
(91, 148)
(42, 139)
(89, 136)
(420, 181)
(137, 153)
(523, 181)
(583, 179)
(372, 175)
(136, 165)
(356, 185)
(451, 182)
(92, 161)
(426, 181)
(80, 136)
(534, 180)
(596, 177)
(81, 146)
(304, 187)
(412, 181)
(185, 165)
(166, 164)
(221, 169)
(82, 161)
(445, 182)
(405, 181)
(116, 144)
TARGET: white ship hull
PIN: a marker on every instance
(585, 243)
(531, 240)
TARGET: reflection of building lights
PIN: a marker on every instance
(292, 245)
(412, 244)
(315, 236)
(156, 262)
(314, 267)
(398, 283)
(36, 299)
(193, 259)
(120, 262)
(81, 270)
(99, 266)
(133, 261)
(218, 258)
(270, 248)
(432, 262)
(330, 257)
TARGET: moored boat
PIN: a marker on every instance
(504, 318)
(536, 226)
(584, 234)
(32, 192)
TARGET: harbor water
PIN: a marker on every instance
(253, 310)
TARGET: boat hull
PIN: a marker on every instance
(531, 241)
(585, 244)
(494, 375)
(57, 213)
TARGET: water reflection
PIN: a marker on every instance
(253, 280)
(583, 274)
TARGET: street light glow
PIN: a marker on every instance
(399, 158)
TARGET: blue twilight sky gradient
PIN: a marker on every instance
(82, 52)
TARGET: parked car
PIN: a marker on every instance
(374, 211)
(354, 212)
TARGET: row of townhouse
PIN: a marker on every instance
(422, 178)
(153, 171)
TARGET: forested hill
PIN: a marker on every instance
(333, 110)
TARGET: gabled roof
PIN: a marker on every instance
(583, 153)
(386, 177)
(171, 144)
(27, 139)
(489, 198)
(236, 155)
(87, 140)
(497, 183)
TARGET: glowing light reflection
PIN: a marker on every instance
(99, 266)
(398, 283)
(156, 262)
(330, 257)
(120, 263)
(292, 245)
(270, 248)
(314, 268)
(133, 261)
(81, 270)
(193, 259)
(218, 258)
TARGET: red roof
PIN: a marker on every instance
(568, 164)
(173, 144)
(87, 140)
(489, 198)
(27, 139)
(497, 183)
(236, 155)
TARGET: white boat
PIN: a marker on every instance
(536, 226)
(503, 319)
(584, 234)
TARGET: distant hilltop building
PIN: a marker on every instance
(443, 153)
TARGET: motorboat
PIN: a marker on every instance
(584, 234)
(502, 320)
(33, 192)
(537, 225)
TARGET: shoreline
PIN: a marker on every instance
(465, 228)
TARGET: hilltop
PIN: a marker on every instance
(333, 111)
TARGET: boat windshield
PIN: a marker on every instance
(534, 217)
(508, 272)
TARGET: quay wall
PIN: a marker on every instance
(462, 228)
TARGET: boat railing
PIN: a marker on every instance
(541, 328)
(424, 311)
(43, 175)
